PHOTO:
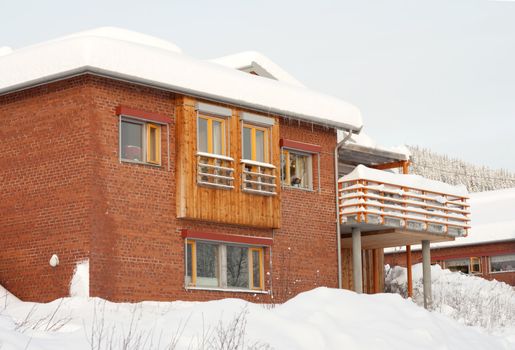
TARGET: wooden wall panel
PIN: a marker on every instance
(215, 204)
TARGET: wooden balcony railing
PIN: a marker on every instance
(258, 178)
(215, 170)
(364, 201)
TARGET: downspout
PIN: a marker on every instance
(338, 231)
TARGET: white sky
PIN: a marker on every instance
(439, 74)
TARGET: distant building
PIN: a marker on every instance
(489, 249)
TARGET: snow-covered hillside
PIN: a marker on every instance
(454, 171)
(320, 319)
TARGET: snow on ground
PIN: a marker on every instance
(319, 319)
(468, 299)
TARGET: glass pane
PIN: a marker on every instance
(217, 137)
(283, 167)
(247, 143)
(458, 265)
(502, 263)
(188, 263)
(132, 141)
(237, 267)
(202, 135)
(152, 144)
(256, 276)
(207, 265)
(260, 146)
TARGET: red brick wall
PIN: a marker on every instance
(82, 201)
(478, 250)
(305, 251)
(45, 197)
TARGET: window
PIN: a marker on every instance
(140, 142)
(211, 135)
(475, 265)
(231, 266)
(502, 263)
(466, 265)
(296, 169)
(256, 143)
(458, 265)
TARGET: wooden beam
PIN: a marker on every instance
(408, 268)
(400, 164)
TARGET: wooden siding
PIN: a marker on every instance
(230, 206)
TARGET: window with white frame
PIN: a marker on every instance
(502, 263)
(297, 169)
(224, 265)
(140, 141)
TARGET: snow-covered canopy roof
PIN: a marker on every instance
(492, 219)
(362, 149)
(361, 172)
(364, 140)
(142, 59)
(252, 61)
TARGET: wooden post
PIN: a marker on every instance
(408, 248)
(408, 268)
(375, 256)
(426, 273)
(357, 269)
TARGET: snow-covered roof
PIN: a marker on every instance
(492, 219)
(363, 139)
(141, 59)
(404, 180)
(249, 61)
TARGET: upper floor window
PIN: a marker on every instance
(211, 135)
(140, 141)
(297, 169)
(256, 143)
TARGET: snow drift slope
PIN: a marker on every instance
(320, 319)
(470, 300)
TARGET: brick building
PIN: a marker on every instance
(175, 178)
(488, 251)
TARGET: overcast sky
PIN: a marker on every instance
(439, 74)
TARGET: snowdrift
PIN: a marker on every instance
(319, 319)
(468, 299)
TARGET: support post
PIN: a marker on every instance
(426, 273)
(357, 269)
(410, 273)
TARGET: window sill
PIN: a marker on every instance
(140, 163)
(286, 187)
(497, 272)
(229, 290)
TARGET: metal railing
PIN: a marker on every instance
(258, 177)
(414, 209)
(215, 170)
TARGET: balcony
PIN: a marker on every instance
(376, 200)
(215, 170)
(258, 178)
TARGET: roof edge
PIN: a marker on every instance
(173, 88)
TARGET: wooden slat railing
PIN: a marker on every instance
(258, 178)
(371, 202)
(215, 170)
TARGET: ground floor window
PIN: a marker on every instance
(465, 265)
(502, 263)
(224, 265)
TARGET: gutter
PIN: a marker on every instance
(338, 228)
(171, 88)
